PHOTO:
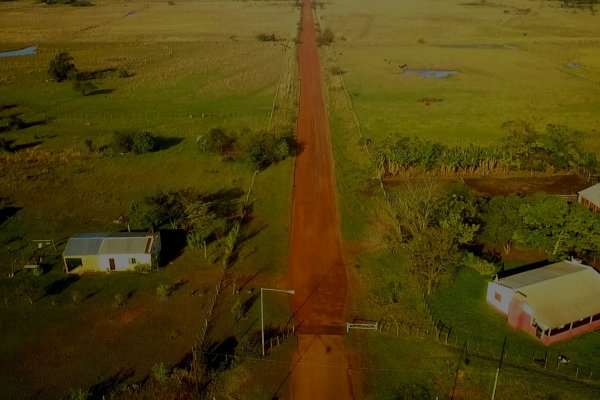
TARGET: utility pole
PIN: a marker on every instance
(498, 370)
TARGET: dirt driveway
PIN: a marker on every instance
(317, 270)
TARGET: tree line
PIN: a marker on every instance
(438, 227)
(524, 148)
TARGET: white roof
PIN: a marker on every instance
(559, 293)
(592, 194)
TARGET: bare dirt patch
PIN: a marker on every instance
(526, 185)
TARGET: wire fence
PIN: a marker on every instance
(541, 359)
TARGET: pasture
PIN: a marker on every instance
(191, 66)
(512, 60)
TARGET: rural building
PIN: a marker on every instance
(110, 251)
(590, 197)
(553, 303)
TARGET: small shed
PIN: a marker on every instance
(553, 303)
(590, 197)
(120, 251)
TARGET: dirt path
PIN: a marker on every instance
(317, 270)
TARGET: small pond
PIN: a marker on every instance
(27, 51)
(430, 73)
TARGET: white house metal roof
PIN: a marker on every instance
(568, 298)
(86, 244)
(592, 194)
(534, 276)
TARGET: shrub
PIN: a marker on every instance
(325, 38)
(38, 271)
(161, 372)
(163, 291)
(76, 297)
(143, 142)
(482, 266)
(119, 300)
(124, 73)
(132, 141)
(217, 141)
(83, 87)
(263, 37)
(61, 67)
(237, 311)
(144, 268)
(79, 394)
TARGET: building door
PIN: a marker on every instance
(111, 262)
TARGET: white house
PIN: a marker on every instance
(111, 251)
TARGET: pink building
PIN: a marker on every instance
(553, 303)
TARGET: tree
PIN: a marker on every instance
(433, 256)
(61, 67)
(501, 219)
(230, 243)
(460, 216)
(544, 218)
(199, 223)
(418, 206)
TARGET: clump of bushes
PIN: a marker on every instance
(138, 142)
(479, 264)
(259, 149)
(61, 67)
(325, 38)
(264, 37)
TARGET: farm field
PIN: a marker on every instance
(515, 60)
(191, 66)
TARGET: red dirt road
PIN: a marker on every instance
(317, 270)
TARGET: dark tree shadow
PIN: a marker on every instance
(219, 355)
(249, 303)
(522, 268)
(165, 142)
(4, 107)
(173, 242)
(101, 389)
(225, 202)
(58, 286)
(24, 146)
(179, 284)
(99, 91)
(95, 74)
(8, 212)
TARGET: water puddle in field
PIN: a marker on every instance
(572, 64)
(27, 51)
(430, 73)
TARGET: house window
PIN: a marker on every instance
(497, 296)
(132, 260)
(581, 322)
(560, 329)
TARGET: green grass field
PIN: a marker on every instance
(511, 65)
(195, 65)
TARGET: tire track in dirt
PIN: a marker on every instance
(317, 271)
